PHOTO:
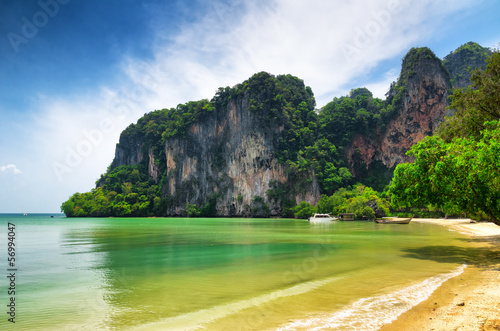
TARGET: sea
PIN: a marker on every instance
(216, 273)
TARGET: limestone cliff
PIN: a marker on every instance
(420, 99)
(230, 155)
(260, 148)
(422, 91)
(461, 62)
(226, 158)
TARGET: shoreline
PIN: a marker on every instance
(470, 301)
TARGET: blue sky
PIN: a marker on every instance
(75, 73)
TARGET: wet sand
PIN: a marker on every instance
(470, 301)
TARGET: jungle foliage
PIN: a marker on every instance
(458, 170)
(282, 102)
(362, 201)
(125, 192)
(464, 60)
(311, 143)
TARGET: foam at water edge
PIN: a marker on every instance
(374, 312)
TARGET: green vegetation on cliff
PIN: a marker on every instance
(475, 105)
(359, 113)
(285, 107)
(458, 170)
(158, 125)
(463, 61)
(312, 146)
(124, 192)
(306, 143)
(282, 101)
(342, 118)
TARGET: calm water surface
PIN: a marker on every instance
(217, 274)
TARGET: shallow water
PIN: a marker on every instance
(174, 273)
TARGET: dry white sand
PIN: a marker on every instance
(480, 229)
(467, 302)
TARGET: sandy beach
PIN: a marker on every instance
(470, 301)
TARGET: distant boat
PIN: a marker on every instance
(25, 214)
(322, 218)
(393, 220)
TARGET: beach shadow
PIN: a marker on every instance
(493, 240)
(478, 256)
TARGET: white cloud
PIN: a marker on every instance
(76, 138)
(381, 87)
(10, 168)
(326, 43)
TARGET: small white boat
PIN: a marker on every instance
(322, 218)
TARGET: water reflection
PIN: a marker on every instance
(164, 268)
(146, 270)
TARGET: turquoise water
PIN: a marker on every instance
(216, 274)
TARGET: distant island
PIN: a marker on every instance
(262, 149)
